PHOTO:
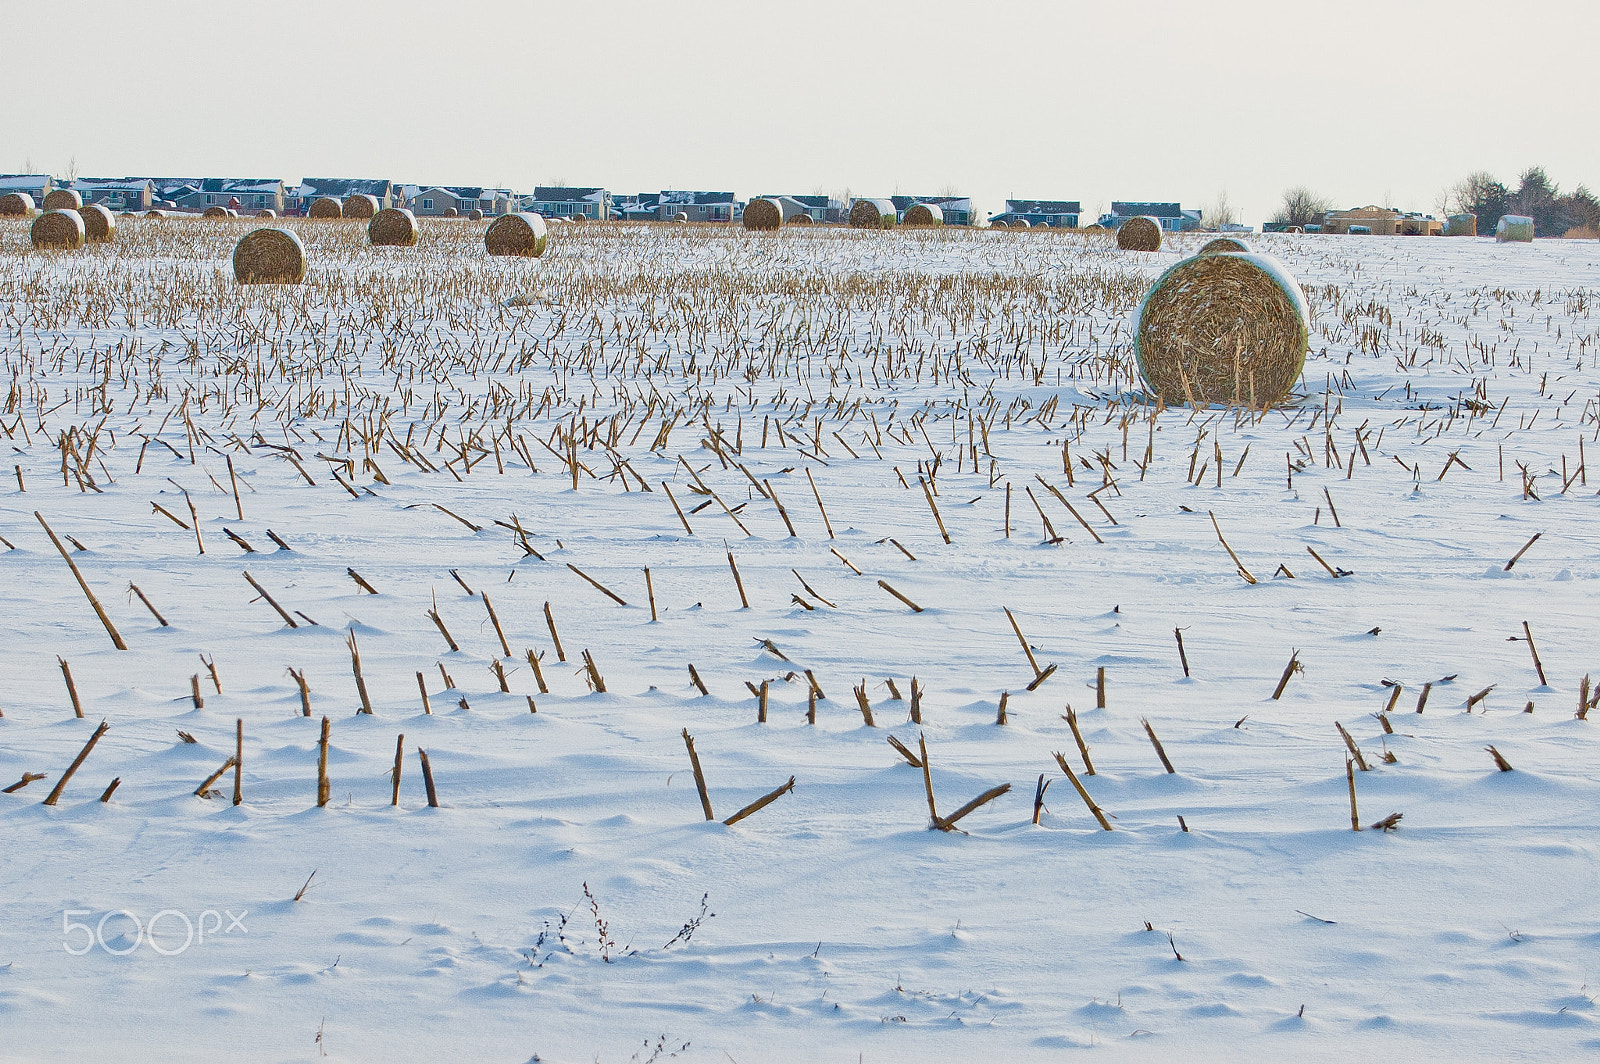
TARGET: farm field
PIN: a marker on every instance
(545, 517)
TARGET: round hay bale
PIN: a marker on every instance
(393, 227)
(763, 214)
(58, 231)
(681, 216)
(521, 233)
(575, 219)
(801, 219)
(1000, 223)
(1461, 225)
(155, 212)
(1021, 223)
(326, 207)
(451, 212)
(16, 205)
(475, 215)
(266, 212)
(1514, 229)
(1224, 244)
(63, 199)
(99, 224)
(924, 214)
(360, 205)
(269, 256)
(872, 214)
(1139, 234)
(1222, 329)
(214, 212)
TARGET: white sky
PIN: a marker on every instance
(1364, 101)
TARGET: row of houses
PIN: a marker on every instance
(598, 204)
(1379, 221)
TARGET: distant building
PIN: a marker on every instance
(197, 193)
(699, 206)
(434, 200)
(561, 202)
(1172, 216)
(1380, 221)
(117, 193)
(957, 210)
(298, 200)
(36, 185)
(640, 207)
(1060, 214)
(817, 208)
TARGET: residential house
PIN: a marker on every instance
(1056, 214)
(117, 193)
(699, 206)
(36, 185)
(434, 200)
(1173, 218)
(299, 199)
(560, 202)
(640, 207)
(957, 210)
(197, 193)
(1380, 221)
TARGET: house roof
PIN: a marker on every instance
(343, 186)
(102, 183)
(902, 203)
(24, 181)
(562, 194)
(696, 198)
(1155, 210)
(1028, 206)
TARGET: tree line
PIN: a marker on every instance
(1480, 193)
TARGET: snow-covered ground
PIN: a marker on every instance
(568, 900)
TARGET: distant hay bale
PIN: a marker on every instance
(872, 214)
(1222, 329)
(521, 233)
(360, 205)
(801, 219)
(269, 256)
(999, 223)
(155, 212)
(58, 230)
(16, 205)
(1139, 234)
(63, 199)
(393, 227)
(763, 214)
(1514, 228)
(1461, 225)
(1021, 223)
(1223, 244)
(574, 219)
(326, 207)
(214, 212)
(451, 212)
(681, 216)
(99, 224)
(924, 214)
(266, 212)
(475, 215)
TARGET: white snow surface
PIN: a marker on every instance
(844, 929)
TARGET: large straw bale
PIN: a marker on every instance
(63, 199)
(16, 205)
(58, 230)
(1227, 328)
(360, 205)
(1224, 244)
(924, 214)
(99, 224)
(1514, 229)
(393, 227)
(269, 256)
(215, 212)
(326, 207)
(763, 214)
(1139, 234)
(450, 212)
(1461, 225)
(266, 212)
(520, 233)
(873, 214)
(475, 215)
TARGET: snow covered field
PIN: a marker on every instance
(568, 900)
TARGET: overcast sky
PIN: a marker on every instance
(1364, 101)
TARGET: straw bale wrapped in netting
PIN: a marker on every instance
(450, 212)
(475, 215)
(266, 212)
(63, 199)
(1139, 234)
(215, 212)
(521, 233)
(1227, 329)
(269, 256)
(16, 205)
(801, 219)
(58, 230)
(1514, 228)
(360, 205)
(1461, 225)
(763, 214)
(999, 223)
(393, 227)
(924, 214)
(1021, 223)
(99, 224)
(873, 214)
(326, 207)
(1224, 244)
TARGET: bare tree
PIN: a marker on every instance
(1220, 213)
(1302, 207)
